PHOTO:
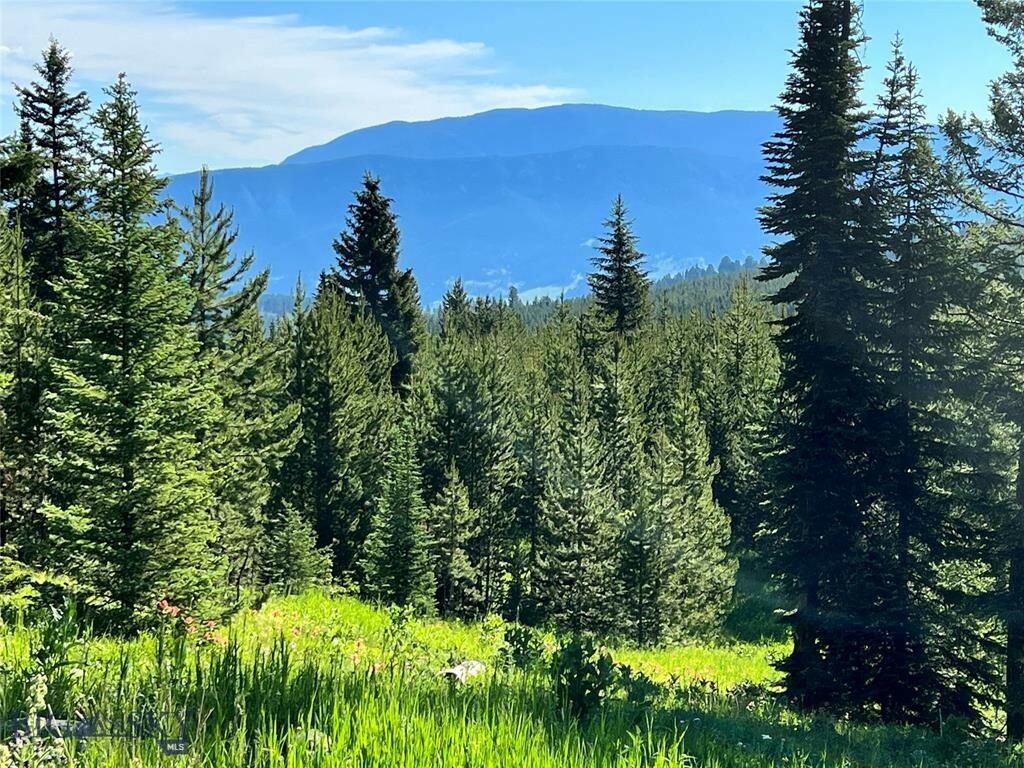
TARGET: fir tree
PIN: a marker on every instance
(216, 275)
(367, 273)
(54, 121)
(738, 403)
(683, 474)
(925, 671)
(533, 450)
(620, 284)
(22, 351)
(576, 561)
(830, 255)
(20, 169)
(290, 561)
(455, 310)
(245, 437)
(452, 523)
(338, 374)
(128, 399)
(988, 154)
(398, 568)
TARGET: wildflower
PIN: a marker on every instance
(765, 737)
(296, 631)
(211, 624)
(167, 608)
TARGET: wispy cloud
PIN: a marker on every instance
(553, 291)
(249, 90)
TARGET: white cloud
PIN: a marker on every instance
(249, 90)
(553, 291)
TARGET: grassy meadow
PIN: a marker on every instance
(315, 680)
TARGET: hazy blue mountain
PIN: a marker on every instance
(510, 132)
(472, 205)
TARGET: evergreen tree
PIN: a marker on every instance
(474, 427)
(54, 121)
(576, 563)
(620, 284)
(338, 375)
(290, 560)
(398, 568)
(245, 439)
(925, 672)
(20, 169)
(829, 252)
(222, 294)
(22, 351)
(453, 525)
(128, 398)
(367, 274)
(739, 405)
(683, 474)
(617, 414)
(988, 154)
(533, 450)
(455, 310)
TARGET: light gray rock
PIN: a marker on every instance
(464, 670)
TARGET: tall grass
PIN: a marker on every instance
(316, 681)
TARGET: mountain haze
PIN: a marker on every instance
(513, 196)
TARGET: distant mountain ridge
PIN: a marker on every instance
(514, 132)
(513, 196)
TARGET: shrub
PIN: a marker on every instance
(583, 675)
(522, 647)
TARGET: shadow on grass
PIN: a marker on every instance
(753, 617)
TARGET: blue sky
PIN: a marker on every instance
(247, 83)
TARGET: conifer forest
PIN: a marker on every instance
(286, 523)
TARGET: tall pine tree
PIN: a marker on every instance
(397, 558)
(367, 274)
(620, 284)
(829, 255)
(128, 397)
(54, 118)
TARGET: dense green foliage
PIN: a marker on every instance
(607, 466)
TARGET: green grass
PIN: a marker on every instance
(319, 681)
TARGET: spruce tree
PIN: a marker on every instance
(455, 310)
(54, 119)
(473, 425)
(929, 668)
(289, 560)
(533, 451)
(739, 405)
(576, 563)
(828, 253)
(620, 284)
(128, 398)
(20, 169)
(988, 154)
(222, 294)
(452, 523)
(367, 273)
(245, 437)
(683, 473)
(338, 373)
(398, 566)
